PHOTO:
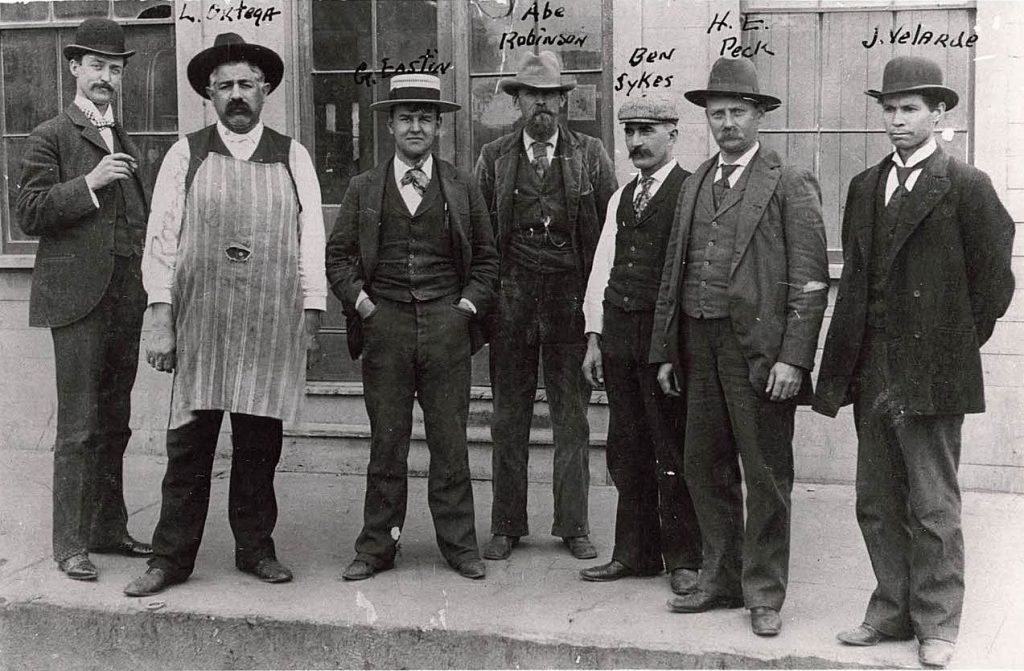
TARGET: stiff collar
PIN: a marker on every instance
(401, 167)
(231, 137)
(926, 150)
(88, 107)
(742, 160)
(660, 175)
(528, 141)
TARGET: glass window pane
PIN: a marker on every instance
(494, 114)
(15, 148)
(30, 78)
(406, 29)
(143, 9)
(343, 133)
(149, 92)
(25, 11)
(153, 148)
(341, 34)
(500, 32)
(80, 9)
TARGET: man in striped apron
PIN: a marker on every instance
(235, 274)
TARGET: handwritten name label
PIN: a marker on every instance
(645, 80)
(921, 36)
(231, 13)
(537, 35)
(426, 63)
(733, 46)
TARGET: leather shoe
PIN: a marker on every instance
(127, 546)
(864, 635)
(79, 567)
(765, 621)
(699, 601)
(268, 569)
(581, 547)
(500, 547)
(613, 570)
(683, 580)
(473, 569)
(154, 580)
(361, 570)
(935, 653)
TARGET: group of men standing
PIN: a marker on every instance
(695, 300)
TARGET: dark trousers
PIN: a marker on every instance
(96, 359)
(655, 523)
(725, 417)
(417, 350)
(540, 316)
(908, 507)
(252, 506)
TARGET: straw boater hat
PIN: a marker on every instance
(914, 74)
(650, 108)
(415, 90)
(97, 36)
(230, 48)
(538, 71)
(736, 78)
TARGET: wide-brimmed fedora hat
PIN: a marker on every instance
(914, 74)
(733, 77)
(538, 71)
(97, 36)
(415, 90)
(231, 48)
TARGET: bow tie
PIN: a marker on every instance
(417, 178)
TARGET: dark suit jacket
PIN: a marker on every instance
(778, 281)
(948, 282)
(353, 246)
(74, 261)
(588, 175)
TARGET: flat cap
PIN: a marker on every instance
(650, 108)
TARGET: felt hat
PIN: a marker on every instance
(650, 108)
(231, 48)
(736, 78)
(914, 74)
(97, 36)
(538, 71)
(416, 89)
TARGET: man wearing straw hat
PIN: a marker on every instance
(736, 325)
(926, 249)
(547, 188)
(655, 524)
(234, 271)
(412, 260)
(81, 193)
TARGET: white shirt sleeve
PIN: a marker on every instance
(312, 235)
(164, 227)
(604, 258)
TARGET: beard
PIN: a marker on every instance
(541, 125)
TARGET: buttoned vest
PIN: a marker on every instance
(534, 201)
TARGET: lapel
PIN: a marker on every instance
(372, 200)
(762, 174)
(862, 199)
(89, 132)
(505, 170)
(684, 216)
(659, 198)
(734, 194)
(931, 186)
(454, 193)
(128, 147)
(568, 153)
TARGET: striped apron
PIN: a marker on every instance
(237, 296)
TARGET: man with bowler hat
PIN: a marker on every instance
(926, 248)
(736, 327)
(234, 268)
(81, 193)
(655, 524)
(412, 260)
(546, 188)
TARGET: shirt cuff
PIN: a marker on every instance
(315, 303)
(159, 296)
(92, 194)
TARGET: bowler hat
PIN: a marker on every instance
(97, 36)
(650, 108)
(538, 71)
(734, 78)
(231, 48)
(914, 74)
(415, 90)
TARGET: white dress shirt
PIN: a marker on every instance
(604, 255)
(553, 142)
(742, 162)
(107, 134)
(410, 194)
(167, 213)
(926, 150)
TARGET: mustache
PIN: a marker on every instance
(238, 107)
(103, 87)
(638, 152)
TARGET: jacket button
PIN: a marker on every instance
(917, 293)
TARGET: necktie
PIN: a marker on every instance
(901, 192)
(643, 197)
(417, 178)
(721, 187)
(540, 157)
(96, 120)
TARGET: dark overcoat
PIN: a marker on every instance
(778, 279)
(948, 280)
(74, 261)
(355, 241)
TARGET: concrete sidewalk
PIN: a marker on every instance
(531, 611)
